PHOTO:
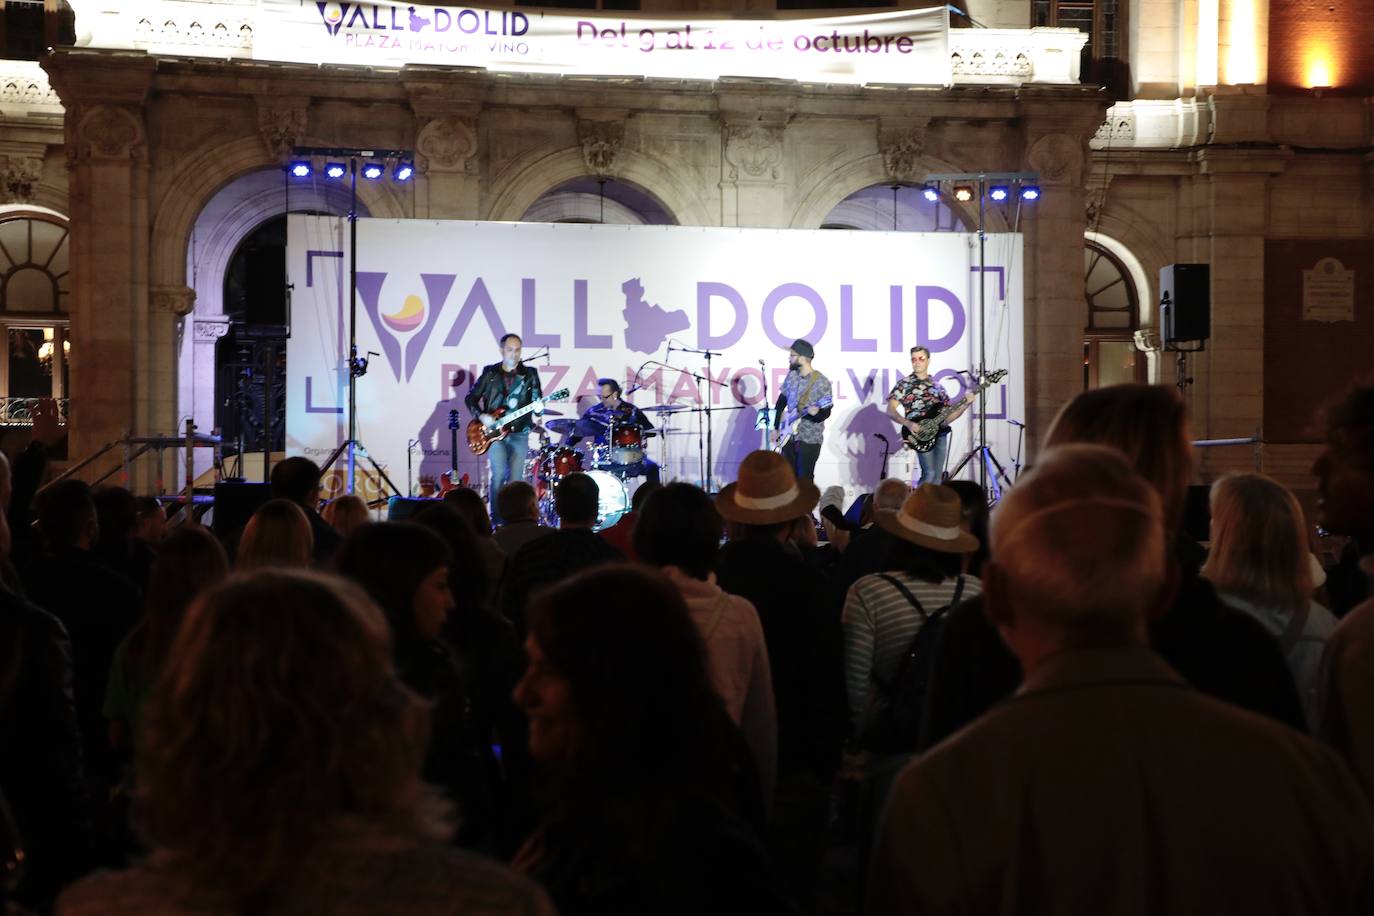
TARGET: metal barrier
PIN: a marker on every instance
(19, 411)
(135, 447)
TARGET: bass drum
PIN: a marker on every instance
(613, 501)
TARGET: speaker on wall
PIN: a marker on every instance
(1185, 303)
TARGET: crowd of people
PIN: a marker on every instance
(1066, 706)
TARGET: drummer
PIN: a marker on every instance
(596, 422)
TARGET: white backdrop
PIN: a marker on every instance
(434, 298)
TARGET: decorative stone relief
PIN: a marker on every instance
(1058, 158)
(1118, 126)
(998, 63)
(1093, 203)
(446, 144)
(282, 128)
(601, 144)
(209, 330)
(1148, 340)
(20, 176)
(28, 90)
(176, 300)
(901, 149)
(754, 148)
(105, 132)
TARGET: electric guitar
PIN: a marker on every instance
(928, 430)
(449, 479)
(481, 437)
(792, 419)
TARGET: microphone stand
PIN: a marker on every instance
(887, 448)
(764, 420)
(1020, 437)
(707, 473)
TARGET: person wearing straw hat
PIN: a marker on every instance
(884, 611)
(802, 408)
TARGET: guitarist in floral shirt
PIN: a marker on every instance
(917, 397)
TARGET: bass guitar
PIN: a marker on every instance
(449, 480)
(481, 437)
(928, 430)
(792, 419)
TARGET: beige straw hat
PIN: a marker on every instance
(929, 518)
(766, 492)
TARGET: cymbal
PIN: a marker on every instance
(665, 408)
(560, 426)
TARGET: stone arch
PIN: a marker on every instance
(530, 176)
(833, 187)
(1140, 273)
(199, 177)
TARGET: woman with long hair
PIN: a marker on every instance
(190, 562)
(404, 567)
(1260, 563)
(345, 513)
(648, 786)
(280, 771)
(277, 535)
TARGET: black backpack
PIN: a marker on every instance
(893, 726)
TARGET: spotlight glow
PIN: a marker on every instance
(963, 193)
(336, 170)
(403, 171)
(373, 170)
(1030, 192)
(300, 169)
(999, 192)
(931, 194)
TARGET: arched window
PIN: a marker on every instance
(591, 200)
(35, 289)
(1109, 352)
(892, 208)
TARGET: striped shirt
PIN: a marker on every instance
(879, 625)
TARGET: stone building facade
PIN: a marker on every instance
(161, 157)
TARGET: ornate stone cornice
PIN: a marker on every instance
(175, 300)
(19, 178)
(601, 134)
(1148, 340)
(902, 143)
(446, 144)
(105, 131)
(282, 123)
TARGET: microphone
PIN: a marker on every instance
(880, 436)
(1017, 423)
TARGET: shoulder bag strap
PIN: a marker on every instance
(906, 593)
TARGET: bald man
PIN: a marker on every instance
(1106, 784)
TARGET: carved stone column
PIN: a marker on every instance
(447, 106)
(1228, 393)
(1058, 126)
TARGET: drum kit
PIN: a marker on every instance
(614, 454)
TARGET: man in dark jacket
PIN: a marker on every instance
(505, 386)
(41, 771)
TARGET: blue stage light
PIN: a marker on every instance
(300, 169)
(403, 171)
(1030, 192)
(931, 193)
(336, 170)
(373, 170)
(999, 192)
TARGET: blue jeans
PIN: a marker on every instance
(933, 462)
(507, 460)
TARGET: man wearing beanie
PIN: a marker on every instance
(801, 411)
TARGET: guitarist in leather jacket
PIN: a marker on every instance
(918, 397)
(806, 393)
(505, 386)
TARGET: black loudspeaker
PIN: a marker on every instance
(400, 508)
(235, 503)
(1185, 303)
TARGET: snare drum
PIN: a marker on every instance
(627, 445)
(559, 461)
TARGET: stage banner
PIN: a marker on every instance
(910, 47)
(632, 303)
